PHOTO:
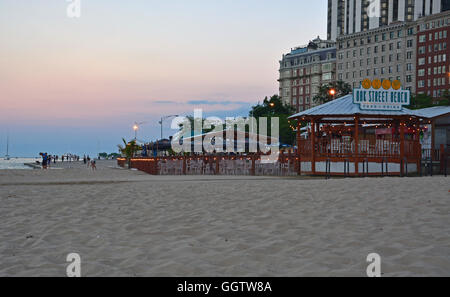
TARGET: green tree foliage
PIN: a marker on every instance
(341, 88)
(445, 101)
(128, 149)
(193, 121)
(274, 107)
(420, 101)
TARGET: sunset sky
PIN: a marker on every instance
(78, 85)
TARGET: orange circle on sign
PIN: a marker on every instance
(366, 83)
(396, 84)
(376, 84)
(386, 84)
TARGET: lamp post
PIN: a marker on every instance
(136, 128)
(332, 93)
(163, 119)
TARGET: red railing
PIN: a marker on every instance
(285, 165)
(345, 148)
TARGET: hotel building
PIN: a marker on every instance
(433, 55)
(303, 70)
(387, 52)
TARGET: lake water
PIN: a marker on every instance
(16, 163)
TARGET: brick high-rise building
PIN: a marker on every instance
(304, 69)
(433, 54)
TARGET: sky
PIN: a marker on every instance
(77, 85)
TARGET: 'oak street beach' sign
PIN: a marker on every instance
(377, 95)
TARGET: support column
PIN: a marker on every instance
(313, 146)
(433, 140)
(184, 165)
(418, 146)
(217, 165)
(299, 136)
(254, 165)
(356, 153)
(402, 145)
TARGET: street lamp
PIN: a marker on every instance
(163, 119)
(332, 93)
(272, 104)
(136, 128)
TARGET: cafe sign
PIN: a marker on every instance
(377, 95)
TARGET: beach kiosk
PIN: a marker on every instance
(365, 133)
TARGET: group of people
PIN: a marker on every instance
(70, 158)
(48, 159)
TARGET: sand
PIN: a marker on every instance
(127, 223)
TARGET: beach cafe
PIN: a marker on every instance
(366, 133)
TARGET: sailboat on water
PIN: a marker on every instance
(7, 149)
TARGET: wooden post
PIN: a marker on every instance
(418, 147)
(442, 157)
(402, 145)
(313, 146)
(356, 146)
(253, 164)
(184, 165)
(217, 165)
(299, 142)
(433, 140)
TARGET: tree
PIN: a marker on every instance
(340, 89)
(445, 101)
(420, 101)
(128, 149)
(274, 107)
(193, 121)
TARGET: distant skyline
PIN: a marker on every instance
(78, 85)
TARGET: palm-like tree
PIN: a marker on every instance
(128, 149)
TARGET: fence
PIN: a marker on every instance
(286, 165)
(345, 148)
(385, 153)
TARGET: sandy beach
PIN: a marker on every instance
(127, 223)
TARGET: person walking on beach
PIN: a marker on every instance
(44, 160)
(93, 165)
(84, 159)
